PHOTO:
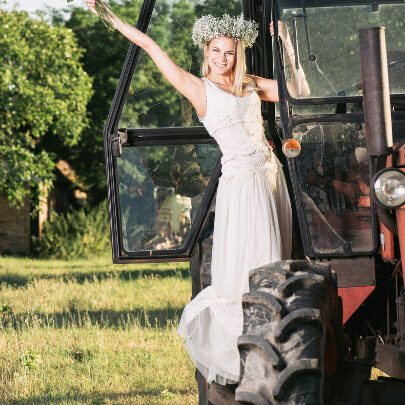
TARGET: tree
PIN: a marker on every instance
(43, 97)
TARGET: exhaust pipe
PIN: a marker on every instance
(376, 91)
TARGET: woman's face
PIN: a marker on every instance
(221, 55)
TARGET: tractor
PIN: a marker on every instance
(315, 325)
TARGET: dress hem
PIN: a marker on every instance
(211, 373)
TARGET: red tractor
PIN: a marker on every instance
(314, 325)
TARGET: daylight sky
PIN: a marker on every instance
(33, 5)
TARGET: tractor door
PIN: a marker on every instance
(162, 166)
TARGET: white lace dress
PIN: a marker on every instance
(252, 228)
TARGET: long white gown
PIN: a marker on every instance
(252, 228)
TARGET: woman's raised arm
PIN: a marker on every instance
(189, 85)
(298, 78)
(269, 87)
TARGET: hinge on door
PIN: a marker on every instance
(117, 140)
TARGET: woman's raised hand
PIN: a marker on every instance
(91, 4)
(297, 86)
(282, 31)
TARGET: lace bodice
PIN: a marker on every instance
(236, 124)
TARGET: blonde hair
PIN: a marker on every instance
(241, 81)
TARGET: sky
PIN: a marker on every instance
(33, 5)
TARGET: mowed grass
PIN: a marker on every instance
(89, 332)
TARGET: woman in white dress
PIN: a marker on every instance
(253, 214)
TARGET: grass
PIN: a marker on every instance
(88, 332)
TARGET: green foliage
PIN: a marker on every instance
(30, 360)
(166, 394)
(43, 96)
(80, 355)
(79, 233)
(6, 311)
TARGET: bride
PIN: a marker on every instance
(253, 224)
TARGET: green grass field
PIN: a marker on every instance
(89, 332)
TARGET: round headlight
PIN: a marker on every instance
(389, 188)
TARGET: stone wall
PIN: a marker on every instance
(14, 228)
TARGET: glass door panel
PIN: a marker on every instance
(333, 186)
(334, 40)
(161, 189)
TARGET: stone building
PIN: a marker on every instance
(17, 226)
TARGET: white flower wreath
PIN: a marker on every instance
(208, 27)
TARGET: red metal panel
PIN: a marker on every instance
(401, 235)
(352, 298)
(400, 212)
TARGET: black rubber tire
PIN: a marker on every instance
(292, 341)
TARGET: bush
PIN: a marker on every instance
(78, 233)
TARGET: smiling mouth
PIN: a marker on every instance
(219, 65)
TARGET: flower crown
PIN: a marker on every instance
(208, 27)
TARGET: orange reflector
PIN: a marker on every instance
(291, 148)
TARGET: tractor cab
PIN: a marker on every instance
(331, 176)
(163, 167)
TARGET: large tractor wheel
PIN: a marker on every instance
(292, 341)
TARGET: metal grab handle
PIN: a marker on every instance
(296, 55)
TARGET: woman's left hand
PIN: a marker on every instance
(282, 31)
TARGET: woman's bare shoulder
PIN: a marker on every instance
(268, 90)
(259, 79)
(195, 86)
(196, 81)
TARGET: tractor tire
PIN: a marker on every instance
(292, 341)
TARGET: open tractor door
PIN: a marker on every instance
(314, 325)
